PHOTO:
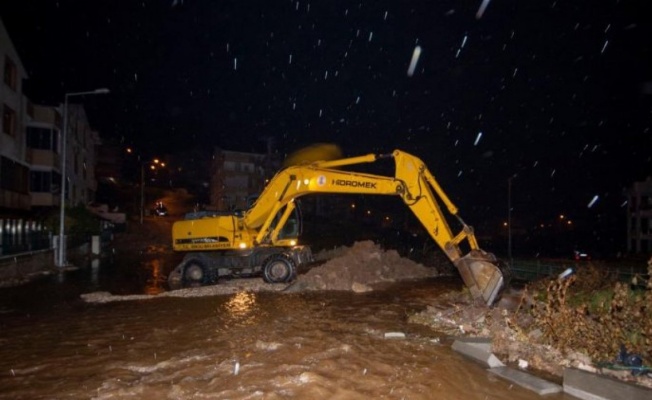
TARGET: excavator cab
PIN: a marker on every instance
(292, 227)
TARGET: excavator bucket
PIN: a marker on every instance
(483, 274)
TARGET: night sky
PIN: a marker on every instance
(557, 94)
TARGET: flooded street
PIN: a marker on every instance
(313, 345)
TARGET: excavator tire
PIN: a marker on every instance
(195, 272)
(279, 268)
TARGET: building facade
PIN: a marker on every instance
(236, 176)
(639, 217)
(43, 134)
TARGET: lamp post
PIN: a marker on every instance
(509, 219)
(61, 261)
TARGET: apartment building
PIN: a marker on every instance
(14, 167)
(31, 145)
(82, 141)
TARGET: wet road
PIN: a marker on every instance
(241, 346)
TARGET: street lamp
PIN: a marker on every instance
(61, 261)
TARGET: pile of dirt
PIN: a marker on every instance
(358, 268)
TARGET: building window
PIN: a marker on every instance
(40, 181)
(41, 138)
(8, 120)
(15, 177)
(11, 73)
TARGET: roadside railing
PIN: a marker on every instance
(20, 236)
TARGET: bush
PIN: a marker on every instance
(595, 314)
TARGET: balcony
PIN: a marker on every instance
(43, 158)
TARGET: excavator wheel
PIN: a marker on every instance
(279, 268)
(194, 272)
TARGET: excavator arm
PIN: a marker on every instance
(416, 186)
(412, 182)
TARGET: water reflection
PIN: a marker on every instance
(239, 309)
(156, 278)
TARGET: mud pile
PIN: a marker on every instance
(358, 267)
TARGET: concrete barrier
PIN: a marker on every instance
(478, 349)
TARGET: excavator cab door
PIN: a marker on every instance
(293, 226)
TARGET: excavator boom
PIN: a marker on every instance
(259, 226)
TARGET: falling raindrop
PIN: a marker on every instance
(482, 9)
(593, 201)
(235, 64)
(477, 139)
(413, 63)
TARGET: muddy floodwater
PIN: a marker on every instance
(268, 345)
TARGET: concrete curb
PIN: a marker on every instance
(478, 349)
(527, 381)
(581, 384)
(589, 386)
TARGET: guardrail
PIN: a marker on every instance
(529, 270)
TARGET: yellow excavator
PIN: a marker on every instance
(264, 239)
